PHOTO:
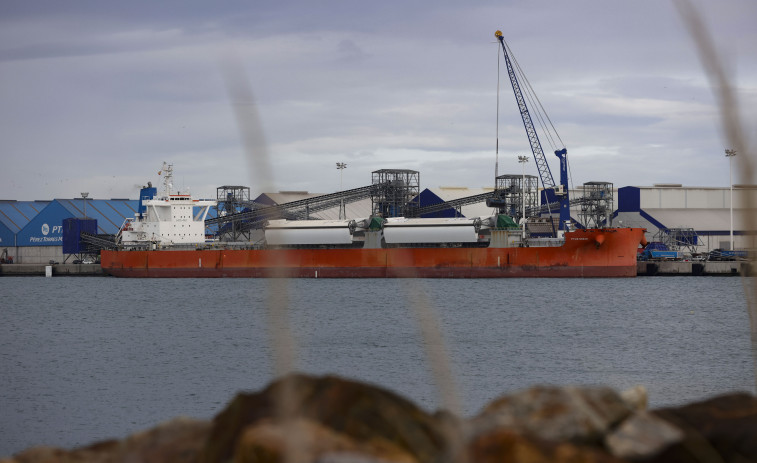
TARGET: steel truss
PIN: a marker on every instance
(597, 205)
(248, 220)
(396, 194)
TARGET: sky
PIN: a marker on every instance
(95, 96)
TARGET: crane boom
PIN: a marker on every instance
(552, 191)
(545, 174)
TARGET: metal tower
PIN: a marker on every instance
(511, 191)
(232, 199)
(596, 205)
(396, 192)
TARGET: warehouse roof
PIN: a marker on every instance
(16, 214)
(354, 210)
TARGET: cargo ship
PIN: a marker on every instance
(584, 253)
(167, 239)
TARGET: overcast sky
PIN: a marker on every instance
(95, 95)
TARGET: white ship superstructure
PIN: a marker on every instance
(167, 220)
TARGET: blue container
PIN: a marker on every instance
(72, 230)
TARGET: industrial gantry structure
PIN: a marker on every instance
(396, 193)
(393, 193)
(596, 205)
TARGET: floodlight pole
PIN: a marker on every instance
(341, 166)
(523, 160)
(84, 197)
(730, 154)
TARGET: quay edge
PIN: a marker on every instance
(15, 270)
(642, 269)
(693, 268)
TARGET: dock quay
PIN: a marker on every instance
(694, 268)
(664, 268)
(56, 269)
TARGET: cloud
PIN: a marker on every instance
(91, 90)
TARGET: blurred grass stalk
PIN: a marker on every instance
(734, 134)
(281, 338)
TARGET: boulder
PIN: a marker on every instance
(642, 437)
(506, 445)
(266, 441)
(571, 414)
(178, 440)
(362, 413)
(636, 398)
(722, 429)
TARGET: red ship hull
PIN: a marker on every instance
(585, 253)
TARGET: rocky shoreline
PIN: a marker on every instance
(335, 420)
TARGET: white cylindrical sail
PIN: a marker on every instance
(309, 232)
(453, 230)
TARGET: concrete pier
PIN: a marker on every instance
(675, 268)
(58, 269)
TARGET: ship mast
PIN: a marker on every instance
(167, 172)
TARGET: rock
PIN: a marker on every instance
(723, 428)
(178, 440)
(642, 436)
(347, 457)
(504, 445)
(56, 455)
(635, 398)
(363, 413)
(334, 420)
(266, 442)
(578, 415)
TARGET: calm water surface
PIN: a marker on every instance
(86, 359)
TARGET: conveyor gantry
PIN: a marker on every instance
(97, 242)
(455, 203)
(295, 210)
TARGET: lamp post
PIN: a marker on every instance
(523, 160)
(730, 154)
(84, 197)
(341, 166)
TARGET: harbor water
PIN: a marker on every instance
(88, 359)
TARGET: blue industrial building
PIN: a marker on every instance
(14, 216)
(46, 229)
(701, 214)
(32, 231)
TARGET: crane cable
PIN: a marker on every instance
(541, 113)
